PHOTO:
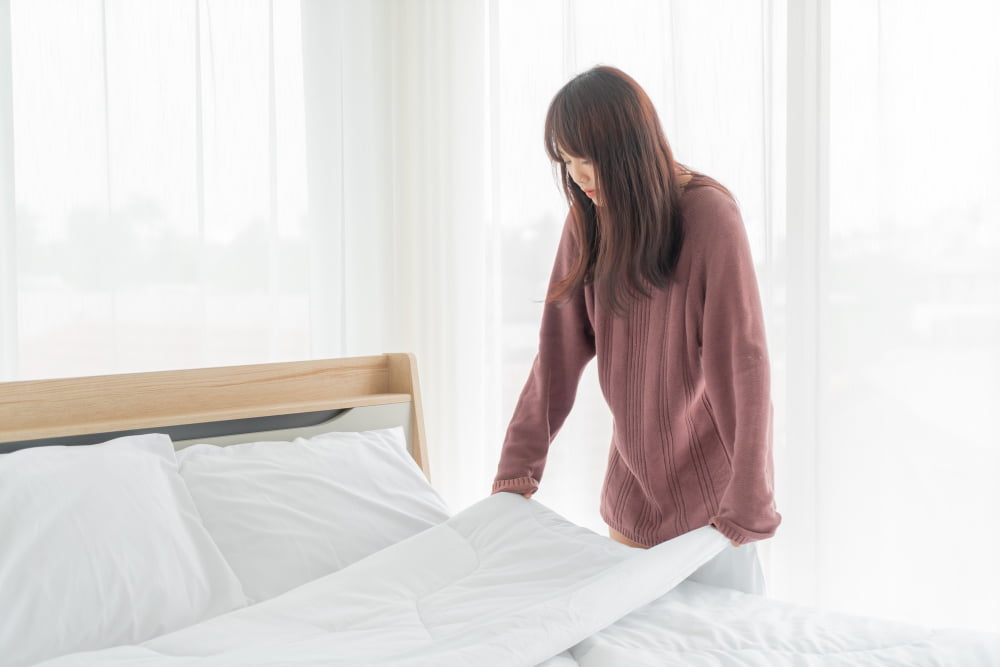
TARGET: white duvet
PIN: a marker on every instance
(506, 582)
(509, 583)
(696, 626)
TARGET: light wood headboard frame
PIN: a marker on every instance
(39, 409)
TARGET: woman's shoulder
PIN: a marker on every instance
(710, 213)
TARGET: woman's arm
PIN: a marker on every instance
(566, 344)
(737, 377)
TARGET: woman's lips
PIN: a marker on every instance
(590, 193)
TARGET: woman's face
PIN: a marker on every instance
(581, 170)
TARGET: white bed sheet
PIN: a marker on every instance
(506, 583)
(695, 625)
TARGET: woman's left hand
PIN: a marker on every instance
(733, 542)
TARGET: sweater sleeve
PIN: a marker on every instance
(565, 346)
(737, 378)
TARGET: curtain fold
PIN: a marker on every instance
(8, 229)
(444, 233)
(323, 90)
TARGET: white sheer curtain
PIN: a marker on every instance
(445, 305)
(159, 200)
(892, 315)
(211, 182)
(908, 377)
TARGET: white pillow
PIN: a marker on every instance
(284, 513)
(102, 545)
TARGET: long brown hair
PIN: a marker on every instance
(629, 244)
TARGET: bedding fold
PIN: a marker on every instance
(506, 582)
(695, 624)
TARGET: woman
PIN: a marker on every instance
(654, 277)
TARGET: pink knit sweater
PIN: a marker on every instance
(687, 378)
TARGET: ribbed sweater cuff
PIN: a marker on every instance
(737, 534)
(520, 485)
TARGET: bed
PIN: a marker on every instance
(282, 514)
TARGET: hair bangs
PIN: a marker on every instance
(567, 128)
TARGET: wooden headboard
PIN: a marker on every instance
(225, 401)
